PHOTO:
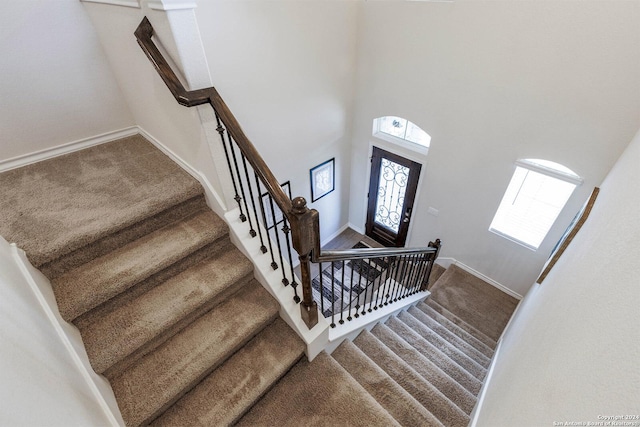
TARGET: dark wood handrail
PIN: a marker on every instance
(304, 222)
(210, 95)
(362, 253)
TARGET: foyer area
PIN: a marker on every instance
(170, 312)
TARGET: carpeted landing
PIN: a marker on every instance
(170, 314)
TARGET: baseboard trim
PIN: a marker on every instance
(334, 235)
(69, 335)
(447, 262)
(70, 147)
(355, 228)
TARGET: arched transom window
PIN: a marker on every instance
(398, 130)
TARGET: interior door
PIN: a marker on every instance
(392, 190)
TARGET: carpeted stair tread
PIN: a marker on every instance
(229, 391)
(426, 368)
(436, 271)
(491, 343)
(163, 376)
(54, 207)
(475, 301)
(452, 338)
(447, 412)
(396, 400)
(91, 284)
(455, 329)
(440, 359)
(318, 393)
(121, 332)
(113, 241)
(470, 365)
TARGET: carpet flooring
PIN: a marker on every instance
(170, 314)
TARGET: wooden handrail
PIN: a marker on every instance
(362, 253)
(210, 95)
(304, 222)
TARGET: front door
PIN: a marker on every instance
(392, 190)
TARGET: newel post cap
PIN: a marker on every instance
(299, 205)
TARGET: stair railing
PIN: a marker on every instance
(279, 220)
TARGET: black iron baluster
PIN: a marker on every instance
(286, 230)
(263, 248)
(264, 217)
(400, 277)
(394, 274)
(382, 285)
(413, 276)
(406, 281)
(221, 130)
(373, 288)
(321, 290)
(244, 197)
(341, 321)
(417, 272)
(274, 265)
(253, 203)
(357, 307)
(388, 281)
(333, 296)
(370, 285)
(351, 289)
(424, 267)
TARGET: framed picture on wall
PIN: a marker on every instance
(322, 179)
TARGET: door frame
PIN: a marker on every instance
(402, 152)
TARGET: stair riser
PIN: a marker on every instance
(458, 342)
(57, 267)
(426, 368)
(461, 323)
(159, 379)
(157, 341)
(467, 363)
(232, 389)
(450, 367)
(204, 374)
(212, 250)
(104, 278)
(456, 330)
(424, 392)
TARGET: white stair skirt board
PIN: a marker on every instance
(69, 335)
(70, 147)
(315, 338)
(447, 262)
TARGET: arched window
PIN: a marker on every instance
(538, 191)
(398, 130)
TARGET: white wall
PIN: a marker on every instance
(286, 70)
(41, 383)
(492, 82)
(153, 107)
(571, 353)
(56, 84)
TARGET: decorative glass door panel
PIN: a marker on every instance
(392, 187)
(392, 190)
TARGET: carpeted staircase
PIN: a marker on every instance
(170, 314)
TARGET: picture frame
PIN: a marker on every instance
(569, 234)
(323, 179)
